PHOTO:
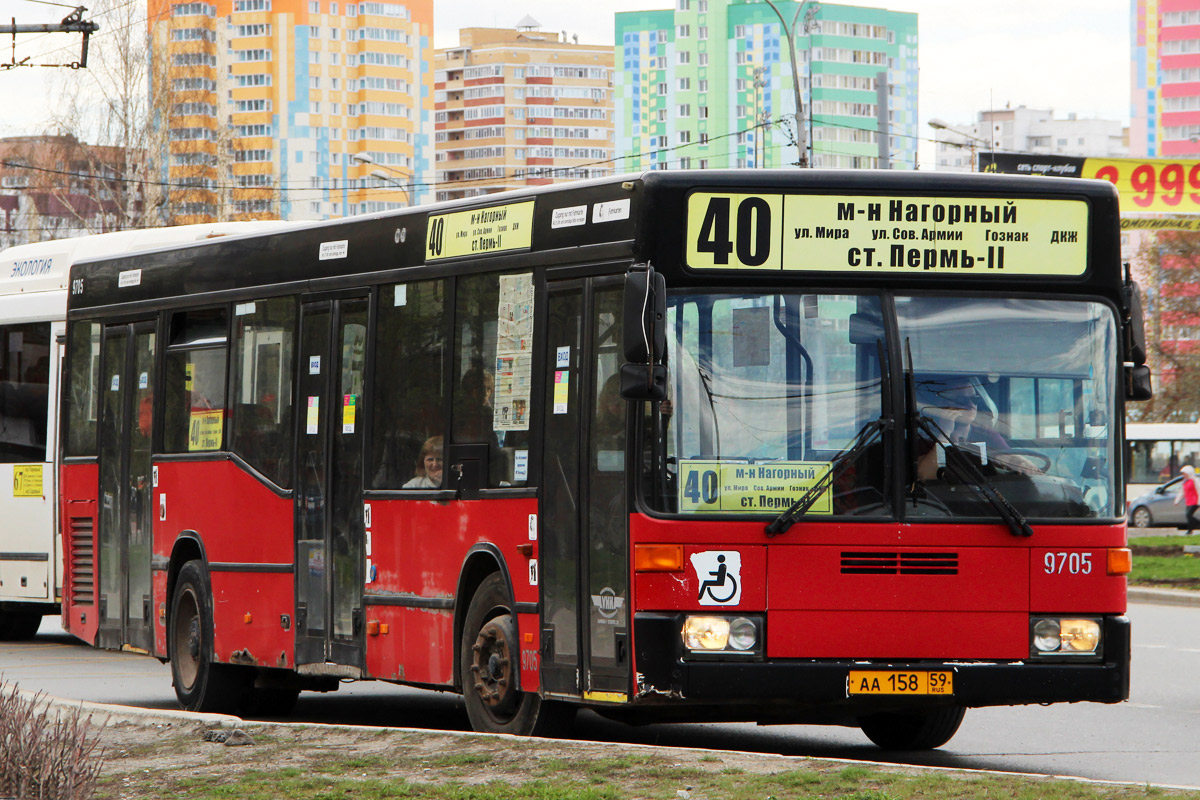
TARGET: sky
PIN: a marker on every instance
(1071, 56)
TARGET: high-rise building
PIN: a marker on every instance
(709, 84)
(299, 109)
(518, 107)
(1165, 79)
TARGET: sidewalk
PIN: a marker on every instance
(1163, 597)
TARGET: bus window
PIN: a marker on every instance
(410, 382)
(766, 391)
(84, 363)
(24, 379)
(261, 418)
(195, 381)
(493, 366)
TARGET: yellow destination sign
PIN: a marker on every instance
(718, 487)
(204, 433)
(27, 480)
(968, 236)
(483, 230)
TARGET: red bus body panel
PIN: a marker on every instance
(829, 590)
(79, 484)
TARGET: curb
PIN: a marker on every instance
(1163, 597)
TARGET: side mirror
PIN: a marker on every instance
(1135, 329)
(644, 382)
(1137, 383)
(644, 338)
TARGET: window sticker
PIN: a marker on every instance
(314, 415)
(314, 365)
(349, 407)
(521, 465)
(562, 381)
(513, 379)
(562, 359)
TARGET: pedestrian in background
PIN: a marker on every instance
(1189, 493)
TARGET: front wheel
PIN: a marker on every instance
(913, 730)
(200, 684)
(490, 674)
(1142, 518)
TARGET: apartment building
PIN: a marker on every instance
(1026, 130)
(709, 84)
(1165, 79)
(519, 107)
(296, 109)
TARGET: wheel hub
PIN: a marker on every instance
(493, 668)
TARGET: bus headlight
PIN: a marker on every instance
(1064, 636)
(722, 636)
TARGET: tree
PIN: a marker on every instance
(1172, 301)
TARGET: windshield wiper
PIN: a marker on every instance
(865, 436)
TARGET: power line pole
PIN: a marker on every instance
(72, 23)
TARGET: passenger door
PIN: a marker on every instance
(583, 542)
(126, 486)
(329, 507)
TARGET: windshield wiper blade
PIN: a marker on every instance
(865, 435)
(966, 471)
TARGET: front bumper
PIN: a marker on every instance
(812, 684)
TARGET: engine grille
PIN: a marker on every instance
(83, 562)
(881, 563)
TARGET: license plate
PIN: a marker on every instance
(897, 682)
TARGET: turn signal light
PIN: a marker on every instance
(1120, 561)
(658, 557)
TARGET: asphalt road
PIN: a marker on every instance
(1153, 738)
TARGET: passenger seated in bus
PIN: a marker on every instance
(429, 466)
(958, 406)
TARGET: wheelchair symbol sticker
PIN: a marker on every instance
(719, 574)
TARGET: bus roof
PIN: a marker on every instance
(645, 218)
(44, 266)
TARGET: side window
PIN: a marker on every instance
(261, 414)
(194, 414)
(84, 360)
(24, 384)
(493, 365)
(410, 384)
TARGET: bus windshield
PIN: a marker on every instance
(770, 394)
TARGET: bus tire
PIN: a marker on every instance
(16, 626)
(489, 669)
(200, 684)
(913, 730)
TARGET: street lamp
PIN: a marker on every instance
(380, 174)
(809, 25)
(939, 125)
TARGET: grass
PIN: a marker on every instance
(1161, 561)
(560, 771)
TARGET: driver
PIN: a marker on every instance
(961, 408)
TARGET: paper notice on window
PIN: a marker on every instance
(514, 353)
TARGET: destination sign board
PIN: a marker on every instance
(962, 236)
(481, 230)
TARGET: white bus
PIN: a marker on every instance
(33, 302)
(1154, 452)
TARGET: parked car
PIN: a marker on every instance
(1158, 507)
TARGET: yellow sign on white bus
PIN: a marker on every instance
(718, 487)
(914, 235)
(482, 230)
(28, 480)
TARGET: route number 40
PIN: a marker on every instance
(734, 230)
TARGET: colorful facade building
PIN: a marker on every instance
(1165, 79)
(518, 107)
(299, 109)
(709, 84)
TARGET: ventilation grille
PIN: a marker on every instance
(899, 563)
(83, 562)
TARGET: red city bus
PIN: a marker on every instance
(804, 446)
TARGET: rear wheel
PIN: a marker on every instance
(1142, 518)
(913, 730)
(18, 625)
(489, 669)
(200, 685)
